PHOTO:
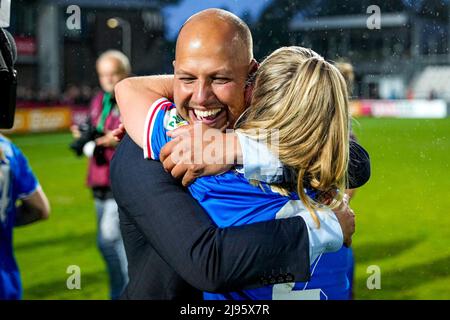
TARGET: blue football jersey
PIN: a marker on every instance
(16, 181)
(231, 200)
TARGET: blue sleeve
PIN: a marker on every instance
(25, 181)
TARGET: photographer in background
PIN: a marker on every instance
(95, 140)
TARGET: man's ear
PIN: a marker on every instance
(254, 65)
(173, 64)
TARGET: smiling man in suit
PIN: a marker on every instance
(174, 250)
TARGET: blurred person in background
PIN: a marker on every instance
(348, 73)
(17, 182)
(95, 140)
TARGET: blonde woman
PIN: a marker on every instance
(302, 98)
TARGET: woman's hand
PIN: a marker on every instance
(346, 218)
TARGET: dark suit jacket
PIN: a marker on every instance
(175, 251)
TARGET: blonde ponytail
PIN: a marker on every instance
(303, 98)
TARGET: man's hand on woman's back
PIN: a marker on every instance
(346, 218)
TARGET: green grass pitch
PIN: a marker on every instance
(403, 215)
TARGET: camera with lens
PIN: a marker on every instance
(89, 133)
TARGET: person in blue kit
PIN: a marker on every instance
(347, 72)
(304, 98)
(17, 182)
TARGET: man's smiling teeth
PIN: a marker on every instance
(206, 114)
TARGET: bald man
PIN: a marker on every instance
(174, 250)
